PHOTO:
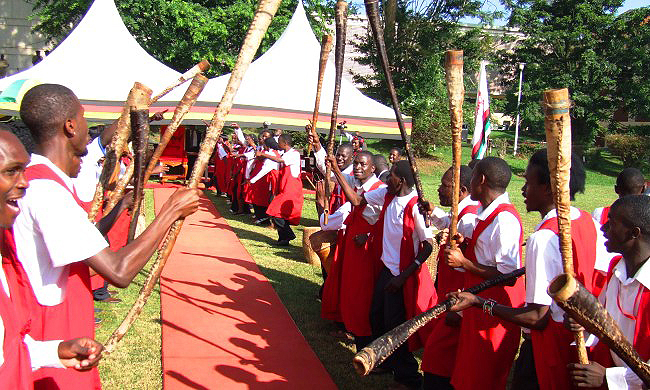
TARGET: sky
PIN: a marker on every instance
(495, 5)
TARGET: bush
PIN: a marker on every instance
(632, 149)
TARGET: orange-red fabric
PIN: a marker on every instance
(288, 202)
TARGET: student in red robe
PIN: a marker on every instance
(487, 345)
(626, 295)
(19, 352)
(440, 350)
(630, 181)
(347, 293)
(256, 193)
(344, 157)
(547, 344)
(286, 207)
(403, 289)
(55, 242)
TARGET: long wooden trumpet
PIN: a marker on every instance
(558, 145)
(263, 16)
(325, 48)
(583, 307)
(140, 131)
(372, 10)
(183, 107)
(339, 57)
(140, 95)
(456, 93)
(199, 68)
(377, 351)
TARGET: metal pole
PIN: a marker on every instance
(521, 77)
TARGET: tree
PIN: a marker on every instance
(181, 33)
(577, 44)
(416, 45)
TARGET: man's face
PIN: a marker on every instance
(363, 167)
(13, 161)
(394, 183)
(80, 139)
(277, 132)
(534, 191)
(616, 233)
(445, 193)
(264, 136)
(343, 157)
(475, 185)
(393, 156)
(355, 144)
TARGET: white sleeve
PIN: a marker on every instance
(336, 219)
(43, 353)
(506, 238)
(266, 168)
(542, 265)
(622, 378)
(597, 214)
(376, 197)
(250, 155)
(319, 156)
(240, 135)
(421, 232)
(63, 224)
(440, 218)
(348, 136)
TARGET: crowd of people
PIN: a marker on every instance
(377, 278)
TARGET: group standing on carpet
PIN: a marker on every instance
(379, 276)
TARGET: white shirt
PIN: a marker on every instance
(335, 221)
(41, 353)
(624, 290)
(597, 214)
(291, 159)
(86, 182)
(249, 155)
(221, 151)
(498, 245)
(544, 262)
(52, 231)
(268, 166)
(394, 226)
(370, 213)
(442, 219)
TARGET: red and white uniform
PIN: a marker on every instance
(19, 352)
(53, 238)
(627, 299)
(347, 294)
(487, 345)
(440, 349)
(338, 197)
(601, 214)
(263, 180)
(552, 345)
(396, 241)
(289, 199)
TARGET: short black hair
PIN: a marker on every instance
(635, 212)
(345, 145)
(367, 154)
(22, 133)
(380, 162)
(402, 169)
(46, 107)
(630, 181)
(286, 137)
(577, 178)
(265, 131)
(496, 171)
(399, 150)
(272, 143)
(465, 175)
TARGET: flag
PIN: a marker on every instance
(481, 117)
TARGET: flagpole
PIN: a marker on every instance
(481, 116)
(521, 77)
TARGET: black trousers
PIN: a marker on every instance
(524, 375)
(284, 229)
(436, 382)
(260, 211)
(386, 312)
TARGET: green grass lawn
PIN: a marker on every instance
(297, 283)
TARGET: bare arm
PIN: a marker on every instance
(107, 135)
(350, 193)
(532, 316)
(120, 267)
(270, 157)
(423, 254)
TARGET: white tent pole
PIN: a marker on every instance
(521, 77)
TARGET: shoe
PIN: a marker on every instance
(262, 221)
(111, 300)
(98, 320)
(112, 292)
(284, 243)
(98, 310)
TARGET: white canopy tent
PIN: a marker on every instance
(100, 60)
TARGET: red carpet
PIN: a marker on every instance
(223, 325)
